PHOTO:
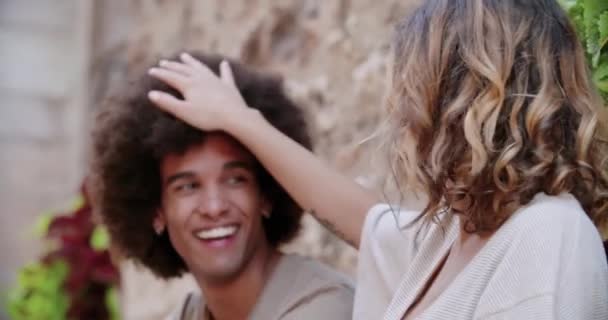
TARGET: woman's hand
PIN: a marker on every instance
(209, 101)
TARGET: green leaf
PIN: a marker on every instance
(100, 239)
(602, 85)
(603, 26)
(39, 293)
(592, 11)
(602, 71)
(112, 303)
(567, 4)
(42, 223)
(595, 59)
(575, 11)
(76, 203)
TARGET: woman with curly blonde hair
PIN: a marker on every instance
(491, 117)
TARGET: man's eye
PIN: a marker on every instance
(237, 180)
(186, 187)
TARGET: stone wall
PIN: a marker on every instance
(43, 85)
(64, 58)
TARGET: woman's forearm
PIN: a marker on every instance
(335, 200)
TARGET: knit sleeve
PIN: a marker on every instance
(583, 288)
(561, 274)
(386, 248)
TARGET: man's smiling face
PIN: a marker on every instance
(213, 207)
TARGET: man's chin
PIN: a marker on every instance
(220, 273)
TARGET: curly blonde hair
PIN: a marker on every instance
(491, 104)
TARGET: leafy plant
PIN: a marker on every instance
(40, 294)
(75, 279)
(591, 20)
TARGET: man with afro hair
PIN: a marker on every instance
(177, 199)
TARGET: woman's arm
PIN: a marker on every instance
(212, 103)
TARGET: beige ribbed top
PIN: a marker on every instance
(545, 262)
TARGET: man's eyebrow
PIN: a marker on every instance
(179, 175)
(239, 164)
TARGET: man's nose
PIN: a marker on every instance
(212, 202)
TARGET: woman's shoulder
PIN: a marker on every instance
(563, 205)
(552, 224)
(557, 215)
(386, 220)
(545, 240)
(538, 252)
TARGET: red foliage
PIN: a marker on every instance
(91, 272)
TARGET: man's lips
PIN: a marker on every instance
(218, 236)
(217, 232)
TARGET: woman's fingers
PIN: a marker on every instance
(177, 67)
(167, 102)
(226, 74)
(192, 62)
(170, 77)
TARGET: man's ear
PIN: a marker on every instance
(159, 222)
(266, 209)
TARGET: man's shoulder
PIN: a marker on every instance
(188, 309)
(302, 288)
(316, 290)
(312, 273)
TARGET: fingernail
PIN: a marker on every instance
(151, 70)
(185, 55)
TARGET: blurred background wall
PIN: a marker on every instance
(44, 61)
(60, 58)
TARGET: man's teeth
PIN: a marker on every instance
(219, 232)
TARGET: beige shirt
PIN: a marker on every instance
(299, 288)
(545, 262)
